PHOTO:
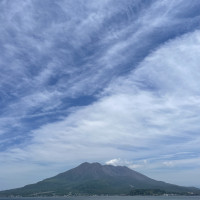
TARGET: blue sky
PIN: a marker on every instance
(110, 81)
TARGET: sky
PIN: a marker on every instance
(110, 81)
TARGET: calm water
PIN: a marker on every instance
(111, 198)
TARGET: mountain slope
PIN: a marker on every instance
(96, 179)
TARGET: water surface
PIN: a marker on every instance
(108, 198)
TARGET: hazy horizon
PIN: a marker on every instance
(111, 81)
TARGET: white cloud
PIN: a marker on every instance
(114, 162)
(97, 67)
(120, 162)
(169, 163)
(138, 118)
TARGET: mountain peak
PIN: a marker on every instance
(94, 178)
(96, 164)
(86, 166)
(90, 164)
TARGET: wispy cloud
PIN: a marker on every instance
(119, 82)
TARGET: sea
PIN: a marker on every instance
(108, 198)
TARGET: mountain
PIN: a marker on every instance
(94, 178)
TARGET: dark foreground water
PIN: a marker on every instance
(110, 198)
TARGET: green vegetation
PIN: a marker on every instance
(158, 192)
(153, 192)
